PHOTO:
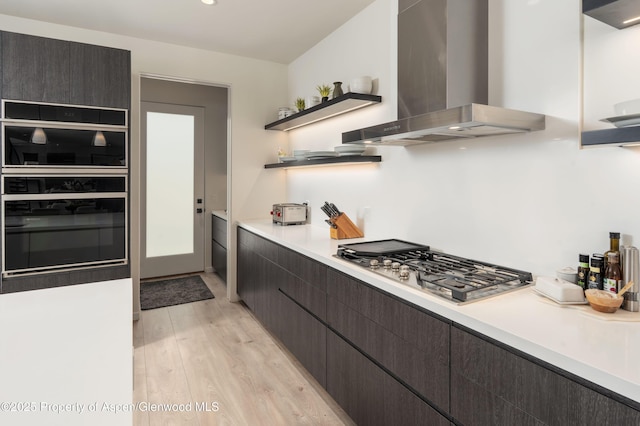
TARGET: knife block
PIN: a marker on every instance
(345, 228)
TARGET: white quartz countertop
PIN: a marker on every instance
(601, 348)
(220, 213)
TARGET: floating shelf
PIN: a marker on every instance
(340, 105)
(345, 159)
(623, 136)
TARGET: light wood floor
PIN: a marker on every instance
(214, 354)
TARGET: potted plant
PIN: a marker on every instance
(300, 104)
(324, 91)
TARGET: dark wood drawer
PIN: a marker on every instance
(411, 344)
(368, 394)
(493, 385)
(219, 230)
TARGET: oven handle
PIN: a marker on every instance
(64, 196)
(64, 125)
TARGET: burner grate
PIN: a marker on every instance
(455, 278)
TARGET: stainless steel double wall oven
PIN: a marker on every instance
(65, 180)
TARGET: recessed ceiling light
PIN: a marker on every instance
(210, 2)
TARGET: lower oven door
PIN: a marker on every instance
(47, 232)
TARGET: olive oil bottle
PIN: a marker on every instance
(614, 247)
(613, 276)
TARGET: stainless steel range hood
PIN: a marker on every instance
(468, 121)
(443, 79)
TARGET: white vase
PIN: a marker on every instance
(362, 84)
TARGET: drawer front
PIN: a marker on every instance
(492, 385)
(368, 394)
(219, 231)
(409, 343)
(308, 270)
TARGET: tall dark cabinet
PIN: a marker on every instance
(48, 70)
(51, 71)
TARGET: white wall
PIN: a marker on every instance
(257, 89)
(532, 201)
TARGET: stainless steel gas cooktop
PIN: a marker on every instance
(453, 278)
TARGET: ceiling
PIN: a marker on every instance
(273, 30)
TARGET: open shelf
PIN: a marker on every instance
(612, 137)
(344, 159)
(340, 105)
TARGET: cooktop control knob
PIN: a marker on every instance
(404, 272)
(387, 263)
(395, 266)
(374, 263)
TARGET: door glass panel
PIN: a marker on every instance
(170, 171)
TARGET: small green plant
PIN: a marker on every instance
(300, 104)
(324, 90)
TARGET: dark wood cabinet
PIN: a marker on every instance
(48, 70)
(219, 246)
(386, 361)
(99, 76)
(368, 394)
(35, 68)
(283, 300)
(411, 344)
(492, 385)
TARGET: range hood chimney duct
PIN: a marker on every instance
(443, 78)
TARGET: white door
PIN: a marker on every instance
(172, 189)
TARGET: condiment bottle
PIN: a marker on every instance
(614, 247)
(613, 276)
(583, 270)
(595, 277)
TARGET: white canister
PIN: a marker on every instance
(312, 101)
(361, 85)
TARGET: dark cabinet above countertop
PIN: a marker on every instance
(622, 136)
(340, 105)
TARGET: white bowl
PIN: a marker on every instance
(362, 84)
(568, 274)
(627, 107)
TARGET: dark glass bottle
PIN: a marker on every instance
(613, 276)
(595, 276)
(614, 247)
(583, 270)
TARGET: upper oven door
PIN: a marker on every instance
(38, 145)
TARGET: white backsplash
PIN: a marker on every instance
(531, 201)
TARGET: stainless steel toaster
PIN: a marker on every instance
(289, 214)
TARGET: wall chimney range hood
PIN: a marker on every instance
(467, 121)
(443, 79)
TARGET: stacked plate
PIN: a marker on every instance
(344, 150)
(317, 155)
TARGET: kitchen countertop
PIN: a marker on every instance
(597, 347)
(222, 214)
